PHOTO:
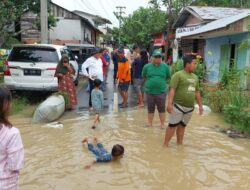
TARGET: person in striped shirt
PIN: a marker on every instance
(11, 146)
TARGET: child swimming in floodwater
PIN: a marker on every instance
(101, 154)
(97, 101)
(11, 146)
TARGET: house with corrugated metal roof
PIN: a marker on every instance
(221, 31)
(192, 18)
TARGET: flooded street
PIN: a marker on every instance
(55, 158)
(95, 68)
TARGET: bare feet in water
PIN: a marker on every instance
(163, 127)
(85, 140)
(140, 105)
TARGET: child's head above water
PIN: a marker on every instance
(97, 82)
(117, 151)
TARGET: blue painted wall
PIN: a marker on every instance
(213, 51)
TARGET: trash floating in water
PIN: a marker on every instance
(56, 125)
(206, 109)
(232, 133)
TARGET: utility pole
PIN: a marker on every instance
(44, 21)
(169, 13)
(119, 17)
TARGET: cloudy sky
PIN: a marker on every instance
(105, 8)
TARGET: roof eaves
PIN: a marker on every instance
(217, 24)
(106, 21)
(194, 13)
(182, 13)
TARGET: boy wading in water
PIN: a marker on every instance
(184, 89)
(97, 101)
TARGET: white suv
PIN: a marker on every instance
(32, 67)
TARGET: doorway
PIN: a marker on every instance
(232, 56)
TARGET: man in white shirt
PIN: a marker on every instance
(92, 68)
(127, 53)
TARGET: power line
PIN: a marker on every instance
(113, 4)
(86, 4)
(108, 13)
(97, 13)
(119, 17)
(90, 7)
(123, 3)
(120, 13)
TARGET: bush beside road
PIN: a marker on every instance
(25, 103)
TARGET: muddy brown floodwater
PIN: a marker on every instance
(55, 158)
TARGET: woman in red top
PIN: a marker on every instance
(64, 73)
(105, 65)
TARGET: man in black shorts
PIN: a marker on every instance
(123, 76)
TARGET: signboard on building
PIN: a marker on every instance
(182, 30)
(159, 40)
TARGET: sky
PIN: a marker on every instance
(104, 8)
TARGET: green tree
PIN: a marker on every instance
(140, 27)
(113, 36)
(11, 12)
(176, 5)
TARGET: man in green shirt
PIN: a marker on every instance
(156, 75)
(184, 90)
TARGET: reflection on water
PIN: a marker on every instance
(55, 158)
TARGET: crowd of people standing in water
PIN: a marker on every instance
(148, 75)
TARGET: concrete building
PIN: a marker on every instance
(73, 27)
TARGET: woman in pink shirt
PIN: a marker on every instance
(11, 146)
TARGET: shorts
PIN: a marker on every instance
(156, 100)
(180, 116)
(97, 111)
(123, 86)
(138, 85)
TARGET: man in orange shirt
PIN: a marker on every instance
(123, 76)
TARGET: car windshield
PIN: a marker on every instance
(33, 54)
